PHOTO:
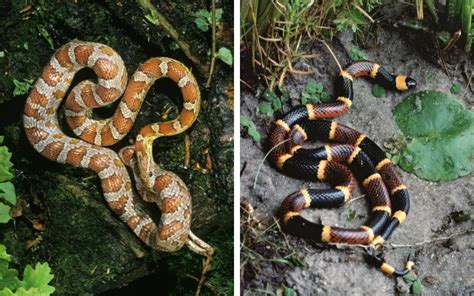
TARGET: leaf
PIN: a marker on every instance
(42, 30)
(152, 19)
(356, 54)
(313, 87)
(455, 88)
(441, 132)
(219, 12)
(202, 24)
(251, 128)
(410, 277)
(202, 13)
(7, 191)
(5, 164)
(289, 292)
(4, 213)
(23, 292)
(225, 55)
(378, 91)
(269, 96)
(38, 277)
(265, 108)
(4, 255)
(21, 88)
(416, 287)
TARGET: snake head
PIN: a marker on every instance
(411, 83)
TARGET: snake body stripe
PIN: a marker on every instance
(155, 184)
(355, 154)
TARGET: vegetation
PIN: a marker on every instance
(35, 280)
(7, 189)
(457, 21)
(439, 133)
(273, 31)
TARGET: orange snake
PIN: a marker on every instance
(153, 183)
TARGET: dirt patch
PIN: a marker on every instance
(443, 266)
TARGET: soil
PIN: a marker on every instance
(273, 261)
(64, 219)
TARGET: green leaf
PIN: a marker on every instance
(7, 191)
(4, 213)
(219, 12)
(356, 54)
(289, 292)
(202, 13)
(455, 88)
(5, 164)
(42, 30)
(313, 87)
(225, 55)
(265, 108)
(21, 88)
(202, 24)
(416, 287)
(269, 96)
(251, 128)
(410, 277)
(39, 278)
(23, 292)
(378, 91)
(152, 19)
(4, 255)
(442, 136)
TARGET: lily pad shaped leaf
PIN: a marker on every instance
(440, 134)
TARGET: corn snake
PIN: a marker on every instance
(153, 183)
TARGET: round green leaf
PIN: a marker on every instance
(440, 133)
(378, 90)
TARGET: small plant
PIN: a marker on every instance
(356, 54)
(314, 93)
(272, 102)
(7, 190)
(416, 286)
(455, 88)
(251, 128)
(21, 87)
(35, 280)
(203, 19)
(152, 17)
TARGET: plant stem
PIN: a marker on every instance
(147, 6)
(213, 50)
(466, 20)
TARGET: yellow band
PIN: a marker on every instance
(346, 75)
(321, 170)
(381, 164)
(400, 216)
(326, 234)
(289, 215)
(283, 125)
(371, 178)
(374, 71)
(307, 198)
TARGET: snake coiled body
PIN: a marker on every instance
(354, 154)
(154, 184)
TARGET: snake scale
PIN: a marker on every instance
(354, 154)
(154, 184)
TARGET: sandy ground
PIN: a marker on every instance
(444, 267)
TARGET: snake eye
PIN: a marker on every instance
(411, 83)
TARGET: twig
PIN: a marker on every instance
(331, 52)
(147, 6)
(443, 238)
(364, 13)
(213, 50)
